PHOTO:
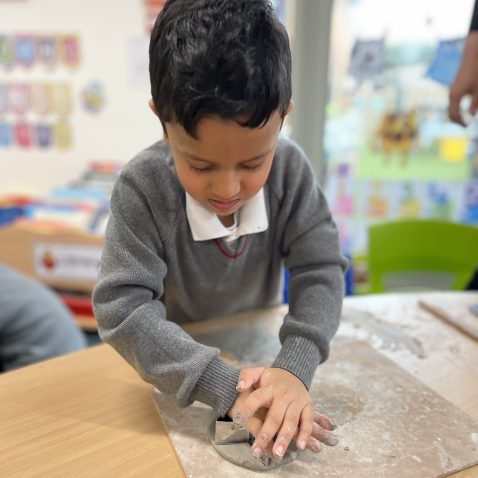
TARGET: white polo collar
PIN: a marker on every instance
(205, 225)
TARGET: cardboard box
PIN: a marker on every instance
(62, 258)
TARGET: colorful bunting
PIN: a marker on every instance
(22, 133)
(46, 50)
(25, 50)
(5, 135)
(47, 53)
(69, 50)
(6, 51)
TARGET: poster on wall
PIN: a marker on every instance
(27, 51)
(36, 114)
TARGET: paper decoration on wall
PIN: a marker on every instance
(397, 133)
(367, 60)
(410, 204)
(6, 51)
(62, 101)
(22, 133)
(93, 97)
(441, 206)
(24, 50)
(43, 135)
(43, 49)
(453, 148)
(3, 99)
(470, 207)
(47, 52)
(151, 10)
(62, 135)
(340, 190)
(377, 203)
(5, 135)
(40, 98)
(26, 135)
(18, 98)
(69, 50)
(445, 63)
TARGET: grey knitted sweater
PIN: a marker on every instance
(153, 276)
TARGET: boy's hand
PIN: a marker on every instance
(290, 413)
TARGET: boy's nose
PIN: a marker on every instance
(226, 186)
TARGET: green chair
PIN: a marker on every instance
(411, 255)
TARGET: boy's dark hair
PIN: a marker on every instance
(226, 58)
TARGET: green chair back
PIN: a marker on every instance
(421, 255)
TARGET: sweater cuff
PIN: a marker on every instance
(300, 357)
(217, 386)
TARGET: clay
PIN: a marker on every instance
(234, 443)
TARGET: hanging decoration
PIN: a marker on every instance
(47, 50)
(93, 97)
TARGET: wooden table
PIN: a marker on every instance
(88, 414)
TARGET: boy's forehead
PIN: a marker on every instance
(216, 136)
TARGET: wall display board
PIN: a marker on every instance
(391, 150)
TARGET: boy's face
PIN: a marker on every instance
(226, 165)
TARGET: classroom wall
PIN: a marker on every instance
(113, 43)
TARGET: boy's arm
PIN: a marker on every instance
(310, 248)
(132, 318)
(311, 251)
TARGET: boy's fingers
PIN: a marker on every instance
(306, 427)
(273, 422)
(261, 397)
(286, 433)
(254, 425)
(324, 421)
(249, 377)
(324, 436)
(314, 445)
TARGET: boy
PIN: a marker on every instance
(202, 221)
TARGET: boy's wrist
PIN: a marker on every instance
(237, 403)
(216, 386)
(300, 357)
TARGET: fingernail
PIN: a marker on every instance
(241, 385)
(332, 425)
(279, 451)
(331, 439)
(256, 452)
(314, 446)
(302, 444)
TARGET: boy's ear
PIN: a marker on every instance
(290, 107)
(153, 109)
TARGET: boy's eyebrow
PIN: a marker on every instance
(250, 160)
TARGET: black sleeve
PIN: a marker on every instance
(474, 18)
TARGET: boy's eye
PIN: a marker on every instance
(199, 170)
(251, 168)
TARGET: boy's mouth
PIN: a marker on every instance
(222, 205)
